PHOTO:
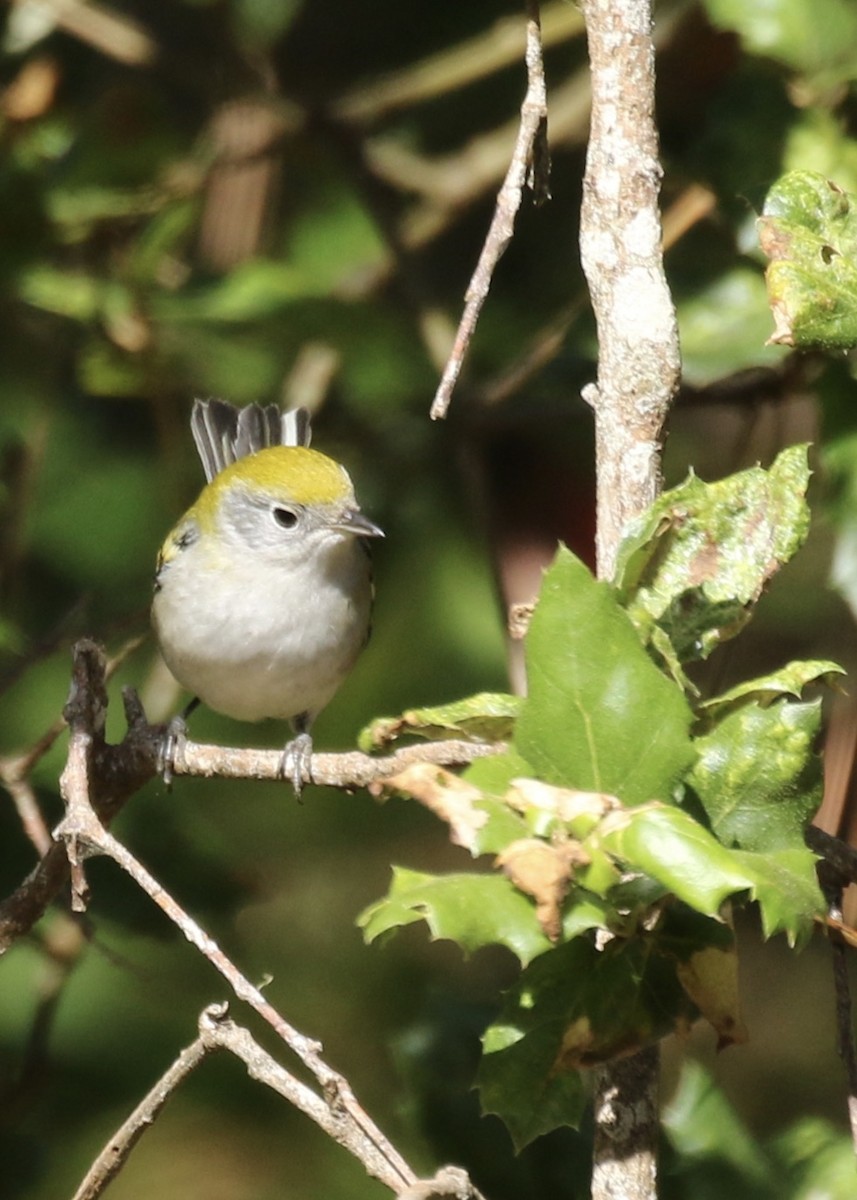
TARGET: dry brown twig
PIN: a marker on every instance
(529, 163)
(218, 1032)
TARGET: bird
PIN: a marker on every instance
(263, 589)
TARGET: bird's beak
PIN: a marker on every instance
(355, 522)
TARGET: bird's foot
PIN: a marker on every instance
(296, 762)
(174, 736)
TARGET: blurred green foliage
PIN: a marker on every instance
(190, 206)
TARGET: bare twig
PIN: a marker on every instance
(218, 1032)
(349, 769)
(112, 1158)
(529, 163)
(638, 372)
(83, 833)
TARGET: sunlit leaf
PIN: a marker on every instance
(599, 715)
(757, 776)
(787, 681)
(669, 845)
(695, 563)
(487, 717)
(786, 889)
(808, 230)
(471, 910)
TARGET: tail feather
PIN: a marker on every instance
(224, 433)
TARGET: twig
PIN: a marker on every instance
(218, 1032)
(336, 1108)
(620, 242)
(529, 159)
(638, 373)
(349, 770)
(112, 1158)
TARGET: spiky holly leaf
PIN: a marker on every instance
(475, 911)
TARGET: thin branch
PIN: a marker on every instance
(113, 1157)
(336, 1108)
(349, 769)
(218, 1032)
(529, 162)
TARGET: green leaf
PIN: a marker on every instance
(757, 776)
(786, 888)
(670, 846)
(819, 1159)
(487, 717)
(471, 910)
(787, 681)
(695, 563)
(818, 39)
(808, 230)
(68, 293)
(573, 1008)
(252, 291)
(702, 1125)
(599, 715)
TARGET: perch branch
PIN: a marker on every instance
(529, 163)
(116, 772)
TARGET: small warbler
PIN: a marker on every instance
(263, 590)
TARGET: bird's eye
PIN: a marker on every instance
(286, 518)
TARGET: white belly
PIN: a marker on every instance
(273, 644)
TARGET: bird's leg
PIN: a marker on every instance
(297, 754)
(174, 734)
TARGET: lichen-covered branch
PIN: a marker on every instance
(620, 241)
(638, 375)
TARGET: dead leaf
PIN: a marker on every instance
(447, 796)
(567, 804)
(544, 872)
(710, 978)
